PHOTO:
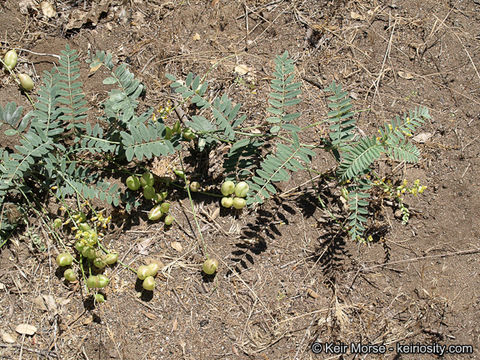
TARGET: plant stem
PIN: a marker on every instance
(204, 249)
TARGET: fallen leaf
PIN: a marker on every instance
(174, 324)
(2, 286)
(9, 339)
(356, 16)
(47, 9)
(26, 329)
(177, 246)
(242, 69)
(405, 75)
(422, 137)
(196, 37)
(214, 2)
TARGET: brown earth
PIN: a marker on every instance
(287, 276)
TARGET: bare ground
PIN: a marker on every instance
(287, 277)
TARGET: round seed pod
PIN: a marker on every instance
(149, 283)
(148, 192)
(155, 213)
(228, 188)
(143, 271)
(239, 203)
(26, 82)
(227, 202)
(210, 266)
(241, 189)
(133, 183)
(111, 258)
(10, 59)
(169, 219)
(70, 275)
(64, 259)
(147, 179)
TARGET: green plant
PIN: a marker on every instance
(356, 155)
(60, 153)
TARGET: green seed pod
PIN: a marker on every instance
(239, 203)
(168, 133)
(228, 188)
(149, 283)
(148, 192)
(179, 173)
(64, 259)
(241, 189)
(133, 183)
(165, 207)
(99, 298)
(92, 282)
(57, 223)
(194, 186)
(102, 281)
(210, 266)
(153, 269)
(177, 128)
(99, 263)
(10, 59)
(143, 271)
(26, 82)
(169, 219)
(111, 258)
(155, 213)
(188, 134)
(89, 252)
(227, 202)
(70, 275)
(79, 246)
(147, 179)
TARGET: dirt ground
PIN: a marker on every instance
(287, 278)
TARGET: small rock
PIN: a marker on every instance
(47, 9)
(26, 329)
(7, 338)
